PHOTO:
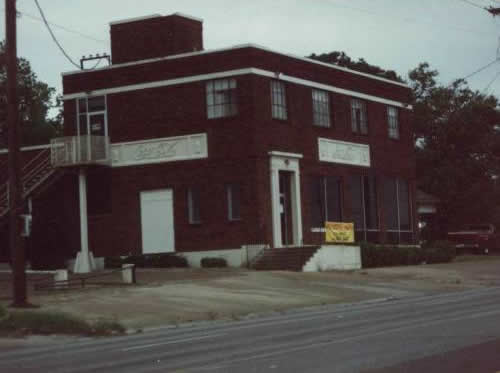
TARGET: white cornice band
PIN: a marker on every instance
(237, 72)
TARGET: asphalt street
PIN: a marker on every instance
(452, 332)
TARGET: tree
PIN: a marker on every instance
(342, 59)
(35, 100)
(457, 137)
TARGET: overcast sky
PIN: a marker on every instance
(455, 37)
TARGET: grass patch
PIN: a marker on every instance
(21, 323)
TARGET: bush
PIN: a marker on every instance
(148, 261)
(386, 256)
(213, 263)
(46, 323)
(3, 313)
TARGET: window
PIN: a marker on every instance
(221, 98)
(326, 193)
(359, 118)
(92, 117)
(364, 205)
(194, 205)
(393, 122)
(321, 108)
(397, 209)
(278, 100)
(233, 202)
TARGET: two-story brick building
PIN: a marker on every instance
(214, 149)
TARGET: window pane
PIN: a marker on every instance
(391, 204)
(97, 126)
(357, 203)
(82, 122)
(234, 201)
(317, 197)
(333, 199)
(96, 104)
(82, 105)
(194, 205)
(278, 100)
(370, 194)
(393, 122)
(321, 108)
(221, 98)
(404, 206)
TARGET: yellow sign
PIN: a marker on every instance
(339, 232)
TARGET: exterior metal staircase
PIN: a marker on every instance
(36, 174)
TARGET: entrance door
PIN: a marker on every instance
(157, 221)
(285, 208)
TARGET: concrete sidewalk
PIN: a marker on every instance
(177, 296)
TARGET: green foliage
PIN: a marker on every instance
(213, 263)
(342, 59)
(386, 256)
(457, 134)
(148, 261)
(46, 323)
(3, 312)
(35, 98)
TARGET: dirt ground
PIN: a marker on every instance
(182, 295)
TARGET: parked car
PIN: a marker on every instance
(478, 238)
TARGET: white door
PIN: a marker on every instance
(157, 221)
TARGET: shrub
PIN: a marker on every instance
(46, 323)
(385, 256)
(148, 261)
(213, 263)
(3, 313)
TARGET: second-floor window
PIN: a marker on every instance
(92, 118)
(278, 100)
(321, 108)
(393, 122)
(221, 98)
(359, 117)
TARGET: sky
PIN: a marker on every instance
(456, 37)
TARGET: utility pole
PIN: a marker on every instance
(494, 11)
(15, 184)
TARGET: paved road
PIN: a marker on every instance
(395, 335)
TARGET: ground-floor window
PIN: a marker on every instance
(194, 205)
(233, 201)
(397, 211)
(364, 207)
(326, 198)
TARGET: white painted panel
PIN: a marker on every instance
(335, 151)
(168, 149)
(157, 221)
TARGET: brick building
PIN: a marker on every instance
(211, 150)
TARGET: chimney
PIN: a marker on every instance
(155, 36)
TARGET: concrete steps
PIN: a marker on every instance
(285, 259)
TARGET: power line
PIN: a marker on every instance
(54, 37)
(491, 82)
(473, 4)
(406, 19)
(481, 69)
(64, 28)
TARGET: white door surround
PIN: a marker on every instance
(280, 161)
(157, 221)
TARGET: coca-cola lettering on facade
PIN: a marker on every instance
(335, 151)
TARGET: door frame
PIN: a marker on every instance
(281, 161)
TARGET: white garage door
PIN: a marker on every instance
(157, 221)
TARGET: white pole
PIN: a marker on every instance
(83, 263)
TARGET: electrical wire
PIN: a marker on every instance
(491, 82)
(481, 69)
(54, 37)
(473, 4)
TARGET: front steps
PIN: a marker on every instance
(285, 259)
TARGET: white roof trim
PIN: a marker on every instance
(135, 19)
(230, 73)
(190, 54)
(28, 148)
(187, 16)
